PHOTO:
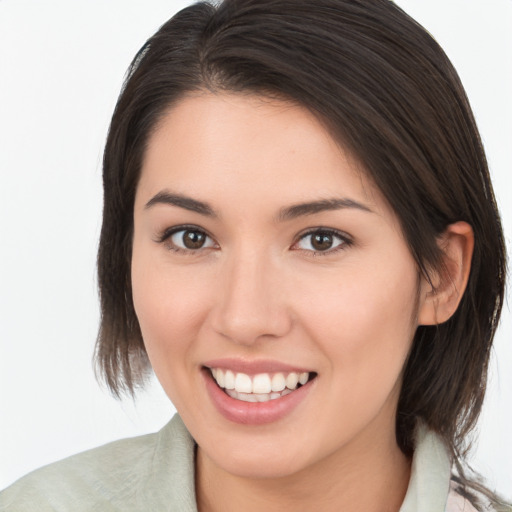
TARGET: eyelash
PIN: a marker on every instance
(345, 240)
(168, 233)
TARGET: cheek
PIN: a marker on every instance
(170, 309)
(364, 323)
(170, 306)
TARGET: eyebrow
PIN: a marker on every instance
(285, 214)
(181, 201)
(310, 208)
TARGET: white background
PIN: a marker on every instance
(61, 68)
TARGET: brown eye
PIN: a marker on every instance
(193, 239)
(322, 241)
(190, 239)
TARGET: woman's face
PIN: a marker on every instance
(262, 254)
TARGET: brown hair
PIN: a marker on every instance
(390, 95)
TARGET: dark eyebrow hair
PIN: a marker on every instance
(287, 213)
(297, 210)
(181, 201)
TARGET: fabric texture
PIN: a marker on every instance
(155, 473)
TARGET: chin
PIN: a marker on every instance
(260, 465)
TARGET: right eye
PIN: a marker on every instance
(188, 239)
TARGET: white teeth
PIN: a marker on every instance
(254, 397)
(229, 380)
(278, 382)
(292, 380)
(261, 383)
(259, 388)
(243, 383)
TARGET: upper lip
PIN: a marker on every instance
(254, 367)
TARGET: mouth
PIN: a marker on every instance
(257, 392)
(261, 387)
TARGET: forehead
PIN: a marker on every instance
(227, 147)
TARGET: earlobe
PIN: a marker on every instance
(440, 301)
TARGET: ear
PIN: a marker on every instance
(440, 301)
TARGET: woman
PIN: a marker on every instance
(355, 306)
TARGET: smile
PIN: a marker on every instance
(261, 387)
(256, 392)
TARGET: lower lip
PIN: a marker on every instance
(254, 413)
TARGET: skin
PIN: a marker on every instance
(257, 290)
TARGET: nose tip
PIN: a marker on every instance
(251, 306)
(247, 330)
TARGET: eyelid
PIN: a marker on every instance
(163, 235)
(167, 233)
(346, 239)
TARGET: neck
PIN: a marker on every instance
(371, 474)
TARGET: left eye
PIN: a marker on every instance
(321, 241)
(191, 239)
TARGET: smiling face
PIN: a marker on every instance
(263, 256)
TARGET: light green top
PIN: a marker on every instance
(155, 473)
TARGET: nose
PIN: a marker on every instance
(252, 301)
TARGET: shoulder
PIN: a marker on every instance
(117, 476)
(456, 501)
(469, 499)
(91, 475)
(434, 484)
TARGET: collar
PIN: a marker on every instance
(430, 474)
(427, 491)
